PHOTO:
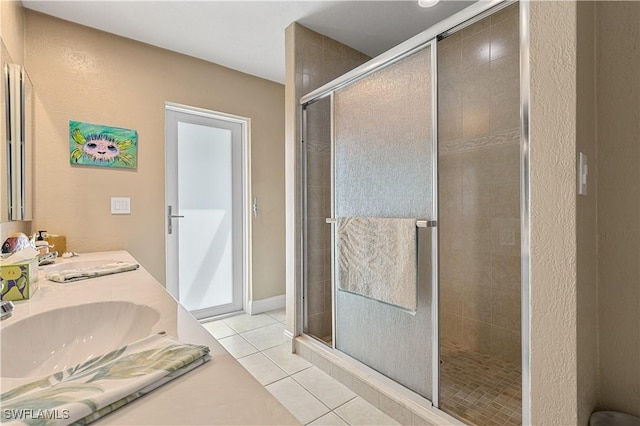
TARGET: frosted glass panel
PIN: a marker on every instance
(383, 141)
(205, 200)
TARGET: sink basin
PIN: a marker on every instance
(61, 338)
(76, 264)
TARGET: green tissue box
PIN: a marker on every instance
(19, 281)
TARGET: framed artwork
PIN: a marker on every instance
(105, 146)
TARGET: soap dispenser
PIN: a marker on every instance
(41, 245)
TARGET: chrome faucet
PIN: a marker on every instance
(6, 309)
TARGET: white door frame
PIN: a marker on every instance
(245, 123)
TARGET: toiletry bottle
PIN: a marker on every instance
(41, 245)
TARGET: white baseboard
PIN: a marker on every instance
(288, 342)
(263, 305)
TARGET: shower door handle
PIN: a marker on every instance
(170, 217)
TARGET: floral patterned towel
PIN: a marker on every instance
(90, 390)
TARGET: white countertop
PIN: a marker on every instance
(219, 392)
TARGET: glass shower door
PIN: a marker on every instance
(318, 301)
(383, 186)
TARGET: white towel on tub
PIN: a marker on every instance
(377, 258)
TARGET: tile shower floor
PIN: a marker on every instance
(479, 389)
(312, 396)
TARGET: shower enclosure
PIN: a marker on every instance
(412, 210)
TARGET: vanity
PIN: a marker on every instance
(111, 311)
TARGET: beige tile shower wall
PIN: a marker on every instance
(83, 74)
(479, 135)
(318, 60)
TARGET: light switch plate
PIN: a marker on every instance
(120, 205)
(583, 171)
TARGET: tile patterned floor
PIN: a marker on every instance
(312, 396)
(479, 389)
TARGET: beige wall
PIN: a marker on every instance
(553, 213)
(12, 33)
(87, 75)
(596, 47)
(479, 178)
(618, 130)
(586, 222)
(12, 29)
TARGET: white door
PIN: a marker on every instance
(205, 195)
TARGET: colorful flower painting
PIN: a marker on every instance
(98, 145)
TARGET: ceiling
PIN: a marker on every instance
(248, 36)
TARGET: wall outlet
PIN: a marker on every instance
(120, 205)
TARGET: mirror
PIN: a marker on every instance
(17, 179)
(4, 135)
(26, 151)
